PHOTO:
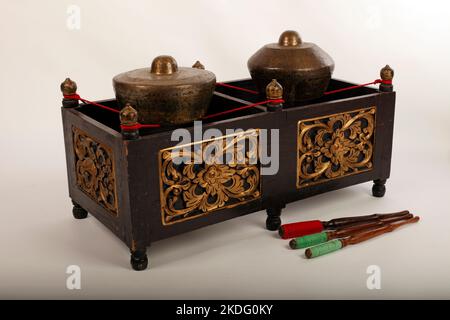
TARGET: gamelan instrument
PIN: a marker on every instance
(166, 93)
(302, 68)
(333, 134)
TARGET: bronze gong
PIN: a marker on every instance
(165, 93)
(302, 68)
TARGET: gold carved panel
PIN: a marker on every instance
(195, 188)
(335, 146)
(94, 170)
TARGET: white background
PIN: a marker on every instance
(238, 258)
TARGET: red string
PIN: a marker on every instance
(221, 84)
(326, 93)
(138, 126)
(243, 108)
(77, 97)
(359, 86)
(124, 127)
(141, 126)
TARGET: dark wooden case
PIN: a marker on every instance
(119, 181)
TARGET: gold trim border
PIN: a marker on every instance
(161, 196)
(324, 117)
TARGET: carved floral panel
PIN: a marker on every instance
(94, 170)
(227, 177)
(335, 146)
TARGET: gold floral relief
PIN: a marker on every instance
(335, 146)
(215, 174)
(94, 170)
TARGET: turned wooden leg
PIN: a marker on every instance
(139, 260)
(273, 220)
(78, 212)
(379, 188)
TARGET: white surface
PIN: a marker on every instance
(238, 258)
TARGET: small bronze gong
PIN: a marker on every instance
(302, 68)
(165, 93)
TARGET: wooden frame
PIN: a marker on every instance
(136, 162)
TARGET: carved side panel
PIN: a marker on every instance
(335, 146)
(201, 184)
(95, 172)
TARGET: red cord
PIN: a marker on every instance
(242, 108)
(77, 97)
(359, 86)
(221, 84)
(326, 93)
(138, 126)
(124, 127)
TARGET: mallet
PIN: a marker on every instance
(298, 229)
(338, 244)
(343, 232)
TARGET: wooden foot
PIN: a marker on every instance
(78, 212)
(139, 260)
(273, 221)
(379, 188)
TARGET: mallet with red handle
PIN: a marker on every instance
(298, 229)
